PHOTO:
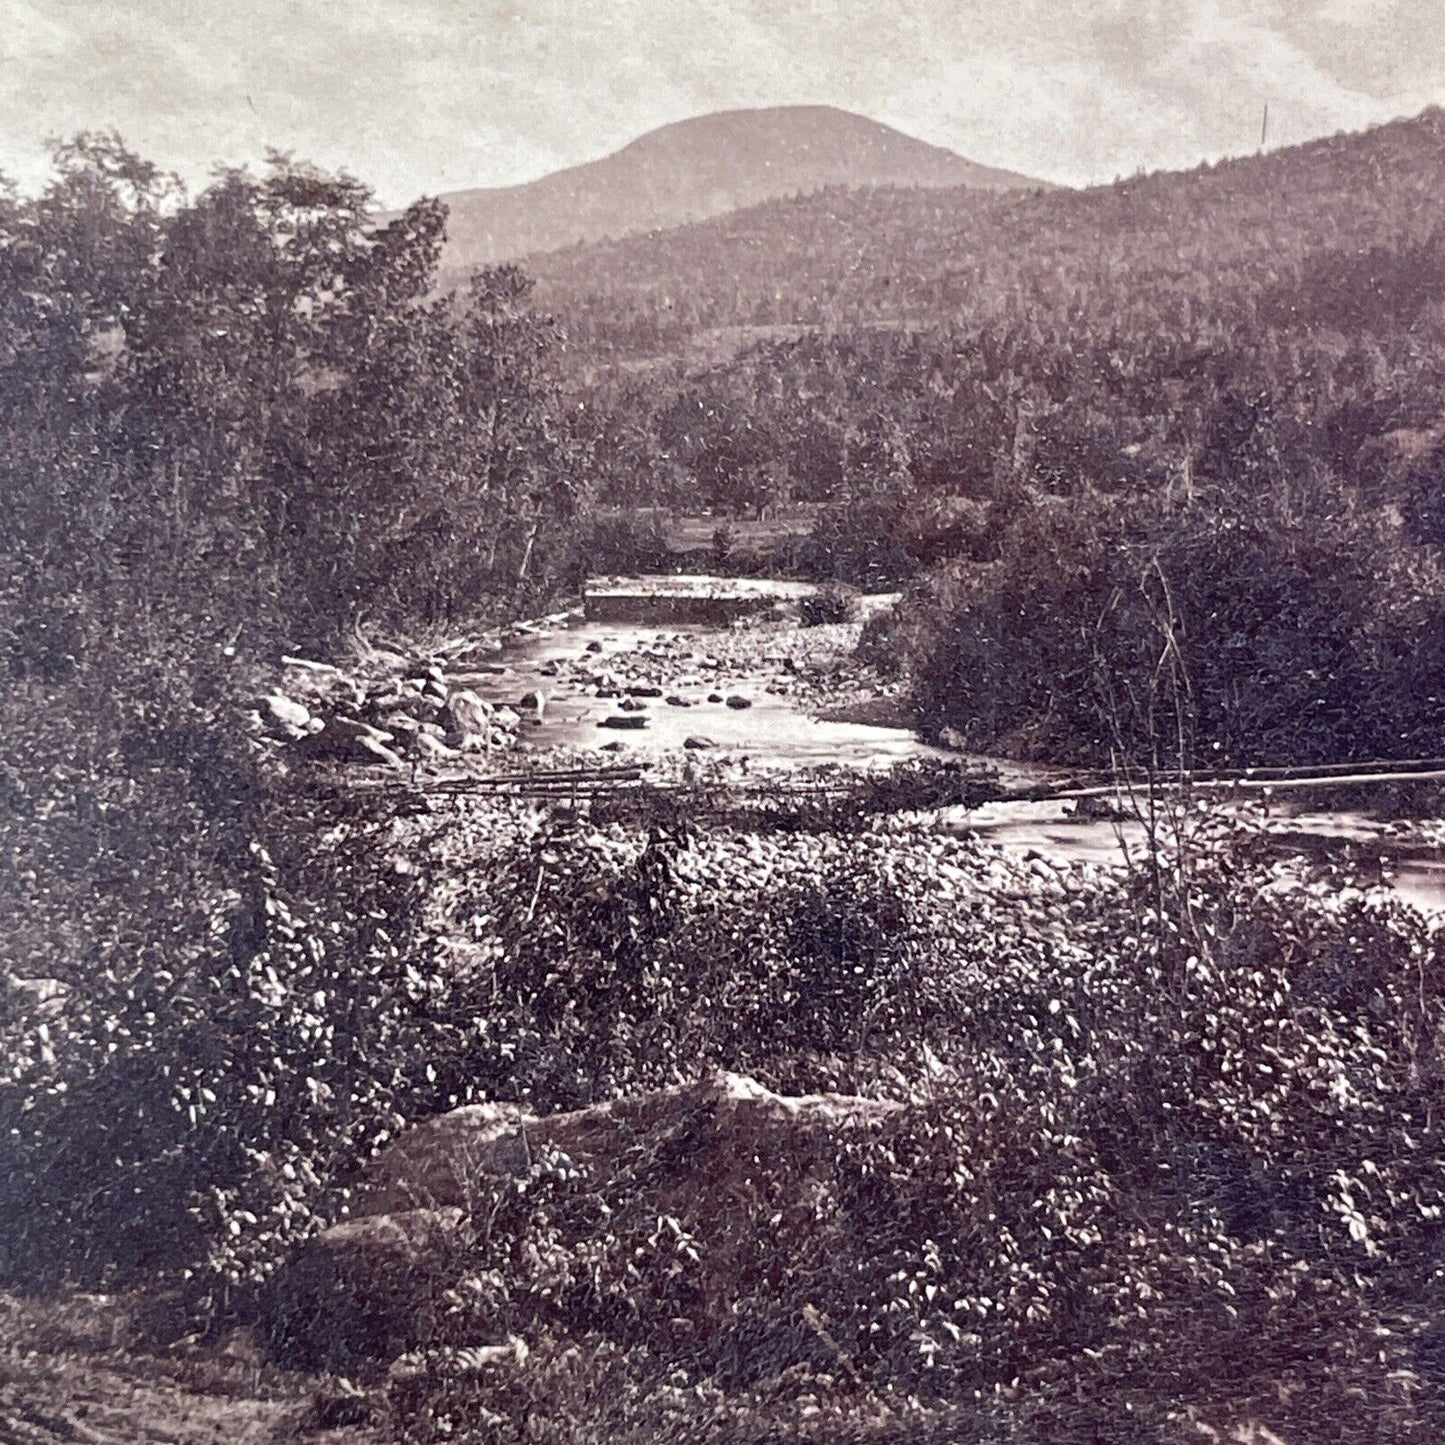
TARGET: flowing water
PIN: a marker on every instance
(778, 732)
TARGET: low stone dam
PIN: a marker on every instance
(684, 600)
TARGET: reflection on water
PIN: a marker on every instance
(778, 731)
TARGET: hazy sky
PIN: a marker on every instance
(420, 96)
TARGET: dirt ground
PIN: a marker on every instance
(80, 1371)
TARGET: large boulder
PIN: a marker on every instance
(285, 714)
(712, 1157)
(467, 720)
(348, 740)
(425, 745)
(743, 1127)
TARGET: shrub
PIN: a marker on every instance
(1168, 1141)
(724, 539)
(625, 544)
(253, 1006)
(1423, 486)
(830, 604)
(1275, 614)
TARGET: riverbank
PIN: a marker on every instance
(769, 697)
(940, 1037)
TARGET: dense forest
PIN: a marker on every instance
(244, 405)
(1229, 380)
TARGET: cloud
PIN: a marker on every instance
(427, 95)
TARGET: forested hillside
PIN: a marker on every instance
(960, 255)
(1181, 362)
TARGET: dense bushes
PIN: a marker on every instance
(229, 424)
(238, 1024)
(732, 952)
(626, 543)
(242, 1022)
(1217, 629)
(1171, 1139)
(1166, 1157)
(244, 405)
(1423, 489)
(1169, 1145)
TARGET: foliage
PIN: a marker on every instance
(1280, 610)
(1264, 338)
(222, 1055)
(1423, 488)
(1170, 1139)
(229, 425)
(1169, 1145)
(259, 375)
(828, 605)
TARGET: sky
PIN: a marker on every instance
(417, 97)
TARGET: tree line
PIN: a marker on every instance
(1228, 381)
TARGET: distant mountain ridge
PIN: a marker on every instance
(696, 169)
(952, 255)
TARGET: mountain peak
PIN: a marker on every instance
(697, 168)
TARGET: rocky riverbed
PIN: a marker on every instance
(769, 689)
(766, 695)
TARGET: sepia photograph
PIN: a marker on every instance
(722, 722)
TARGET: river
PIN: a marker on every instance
(779, 731)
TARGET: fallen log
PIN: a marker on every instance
(1242, 782)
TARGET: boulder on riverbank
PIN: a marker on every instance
(467, 720)
(348, 740)
(387, 709)
(285, 714)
